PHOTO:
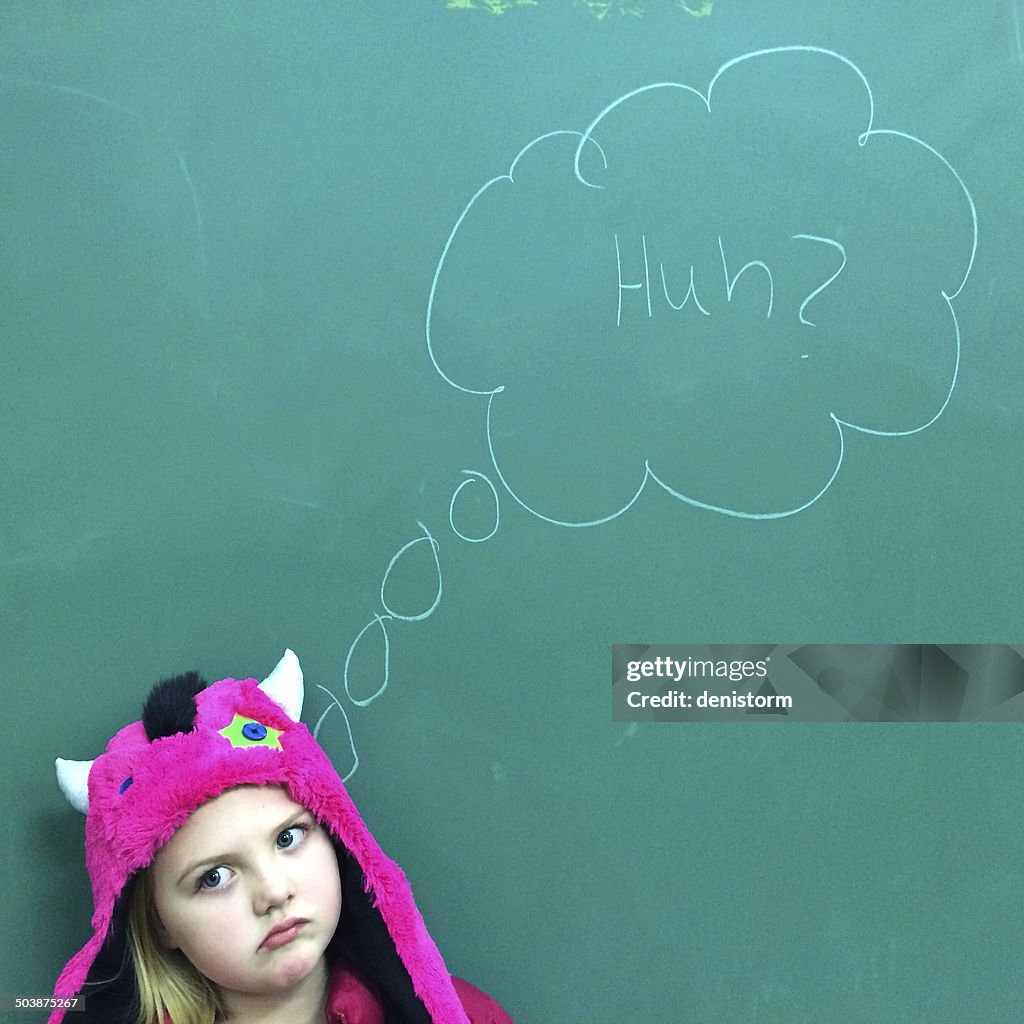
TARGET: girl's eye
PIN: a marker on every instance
(215, 878)
(292, 836)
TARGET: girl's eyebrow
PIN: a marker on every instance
(222, 858)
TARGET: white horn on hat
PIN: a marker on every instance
(284, 685)
(73, 779)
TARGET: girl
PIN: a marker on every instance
(234, 881)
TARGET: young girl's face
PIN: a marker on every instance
(248, 889)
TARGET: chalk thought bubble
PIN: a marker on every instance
(706, 291)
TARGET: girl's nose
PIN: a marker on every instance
(272, 887)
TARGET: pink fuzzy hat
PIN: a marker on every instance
(144, 787)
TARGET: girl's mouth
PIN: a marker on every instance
(283, 933)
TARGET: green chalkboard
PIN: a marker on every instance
(450, 345)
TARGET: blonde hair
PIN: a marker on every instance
(168, 984)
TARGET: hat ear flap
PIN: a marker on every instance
(284, 685)
(73, 779)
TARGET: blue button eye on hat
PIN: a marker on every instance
(124, 785)
(254, 731)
